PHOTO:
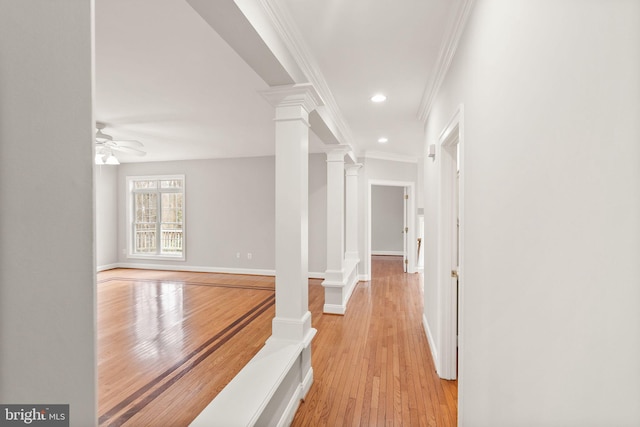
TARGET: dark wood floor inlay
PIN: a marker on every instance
(207, 348)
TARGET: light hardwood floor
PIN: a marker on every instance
(372, 366)
(168, 342)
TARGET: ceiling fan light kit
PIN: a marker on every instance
(111, 160)
(105, 146)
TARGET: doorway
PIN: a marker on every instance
(450, 245)
(407, 231)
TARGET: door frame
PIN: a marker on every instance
(450, 299)
(410, 188)
(405, 228)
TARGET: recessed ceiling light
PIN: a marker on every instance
(378, 98)
(383, 140)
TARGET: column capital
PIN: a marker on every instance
(296, 95)
(352, 169)
(337, 154)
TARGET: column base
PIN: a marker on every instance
(338, 287)
(298, 330)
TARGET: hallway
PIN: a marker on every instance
(373, 366)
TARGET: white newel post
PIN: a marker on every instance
(351, 209)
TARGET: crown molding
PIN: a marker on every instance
(304, 95)
(380, 155)
(445, 56)
(286, 29)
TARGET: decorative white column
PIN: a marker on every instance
(283, 365)
(293, 105)
(341, 275)
(335, 214)
(351, 214)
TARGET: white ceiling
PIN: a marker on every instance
(167, 79)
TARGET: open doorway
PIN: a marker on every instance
(388, 221)
(403, 228)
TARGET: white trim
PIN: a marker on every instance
(411, 256)
(445, 56)
(388, 253)
(351, 284)
(245, 399)
(340, 287)
(450, 137)
(364, 278)
(107, 267)
(432, 342)
(249, 271)
(380, 155)
(199, 269)
(307, 382)
(315, 275)
(334, 309)
(283, 24)
(292, 407)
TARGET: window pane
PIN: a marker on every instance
(146, 206)
(137, 185)
(172, 208)
(172, 217)
(171, 238)
(145, 238)
(171, 183)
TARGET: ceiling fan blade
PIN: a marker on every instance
(128, 143)
(128, 150)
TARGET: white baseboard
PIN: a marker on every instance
(291, 409)
(364, 278)
(300, 394)
(432, 343)
(172, 267)
(350, 287)
(392, 253)
(196, 269)
(307, 382)
(107, 267)
(334, 309)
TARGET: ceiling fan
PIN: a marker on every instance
(106, 146)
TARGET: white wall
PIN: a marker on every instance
(317, 213)
(106, 179)
(47, 270)
(230, 209)
(551, 205)
(387, 220)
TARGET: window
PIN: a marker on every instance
(156, 216)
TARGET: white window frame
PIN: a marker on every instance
(131, 215)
